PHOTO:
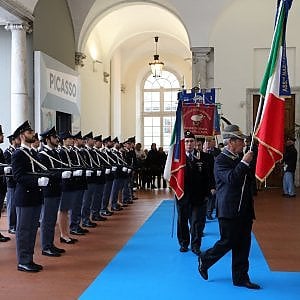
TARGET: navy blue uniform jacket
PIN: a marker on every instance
(27, 192)
(230, 173)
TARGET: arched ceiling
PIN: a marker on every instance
(135, 26)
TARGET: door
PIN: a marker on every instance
(63, 122)
(275, 178)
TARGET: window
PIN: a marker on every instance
(158, 109)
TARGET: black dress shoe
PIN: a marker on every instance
(116, 208)
(12, 231)
(98, 218)
(67, 241)
(40, 267)
(77, 232)
(84, 230)
(4, 238)
(184, 249)
(248, 284)
(50, 252)
(89, 225)
(58, 250)
(209, 217)
(196, 251)
(28, 268)
(202, 270)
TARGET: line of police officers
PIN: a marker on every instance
(72, 184)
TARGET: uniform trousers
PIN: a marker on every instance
(48, 222)
(106, 195)
(97, 200)
(11, 208)
(115, 189)
(288, 183)
(75, 218)
(27, 226)
(126, 192)
(87, 202)
(235, 235)
(190, 222)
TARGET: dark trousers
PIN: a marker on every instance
(235, 235)
(27, 226)
(190, 222)
(97, 200)
(87, 202)
(2, 197)
(211, 200)
(48, 222)
(106, 195)
(76, 209)
(11, 208)
(115, 189)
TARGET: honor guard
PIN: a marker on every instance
(91, 176)
(2, 183)
(15, 143)
(109, 175)
(105, 169)
(52, 192)
(69, 189)
(29, 175)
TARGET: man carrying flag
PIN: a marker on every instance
(269, 125)
(189, 172)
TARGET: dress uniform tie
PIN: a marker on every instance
(191, 156)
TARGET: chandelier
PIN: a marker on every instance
(156, 65)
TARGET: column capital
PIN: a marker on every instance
(23, 26)
(79, 57)
(200, 53)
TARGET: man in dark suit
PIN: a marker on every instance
(2, 184)
(11, 184)
(49, 157)
(235, 210)
(26, 170)
(191, 208)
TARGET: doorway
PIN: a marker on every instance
(63, 122)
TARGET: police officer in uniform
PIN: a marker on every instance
(191, 208)
(28, 195)
(11, 184)
(2, 184)
(52, 193)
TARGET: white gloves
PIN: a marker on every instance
(107, 171)
(77, 173)
(114, 169)
(99, 173)
(124, 169)
(129, 171)
(88, 173)
(66, 174)
(43, 181)
(7, 170)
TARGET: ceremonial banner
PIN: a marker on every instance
(199, 118)
(274, 87)
(174, 168)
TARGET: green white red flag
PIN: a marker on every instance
(175, 164)
(274, 88)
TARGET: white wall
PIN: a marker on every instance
(242, 37)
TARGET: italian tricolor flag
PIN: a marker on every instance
(175, 164)
(270, 129)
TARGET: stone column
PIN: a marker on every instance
(199, 67)
(19, 73)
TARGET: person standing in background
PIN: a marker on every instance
(289, 168)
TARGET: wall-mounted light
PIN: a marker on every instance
(105, 77)
(95, 62)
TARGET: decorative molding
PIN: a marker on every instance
(17, 9)
(25, 26)
(79, 57)
(200, 53)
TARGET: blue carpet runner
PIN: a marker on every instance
(150, 267)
